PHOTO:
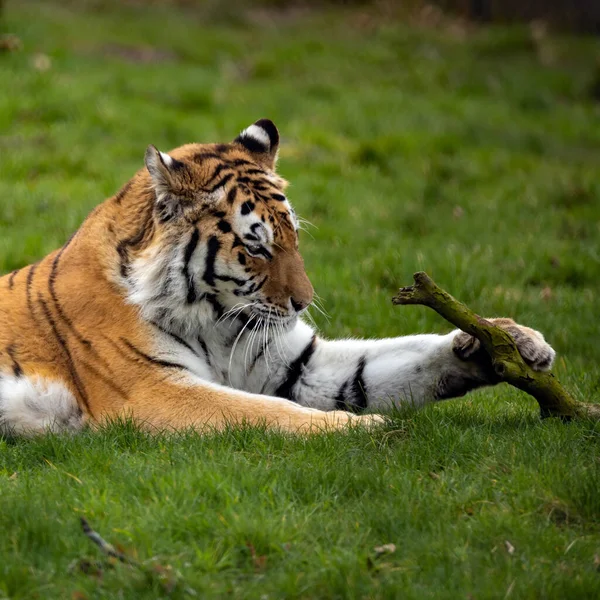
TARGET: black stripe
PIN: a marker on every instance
(122, 192)
(260, 196)
(11, 279)
(294, 371)
(108, 381)
(243, 320)
(203, 156)
(152, 359)
(253, 288)
(167, 208)
(260, 352)
(200, 157)
(231, 195)
(358, 388)
(178, 339)
(17, 370)
(238, 282)
(217, 306)
(242, 162)
(252, 144)
(224, 226)
(266, 253)
(122, 249)
(352, 394)
(213, 248)
(57, 305)
(134, 240)
(204, 349)
(340, 397)
(220, 183)
(176, 165)
(452, 385)
(63, 344)
(28, 285)
(216, 173)
(69, 323)
(260, 284)
(165, 287)
(189, 279)
(243, 317)
(247, 207)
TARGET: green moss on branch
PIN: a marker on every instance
(508, 363)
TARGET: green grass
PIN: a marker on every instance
(472, 157)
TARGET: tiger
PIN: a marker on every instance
(181, 302)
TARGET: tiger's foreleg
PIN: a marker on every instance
(205, 406)
(376, 374)
(356, 375)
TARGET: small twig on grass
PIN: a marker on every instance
(107, 548)
(165, 575)
(507, 362)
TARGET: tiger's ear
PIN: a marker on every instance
(262, 141)
(165, 174)
(163, 169)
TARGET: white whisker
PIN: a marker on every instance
(250, 343)
(264, 346)
(266, 342)
(232, 313)
(319, 307)
(318, 301)
(306, 231)
(228, 312)
(235, 343)
(305, 222)
(303, 225)
(277, 340)
(281, 334)
(309, 317)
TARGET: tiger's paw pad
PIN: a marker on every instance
(531, 344)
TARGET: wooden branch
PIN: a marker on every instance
(508, 364)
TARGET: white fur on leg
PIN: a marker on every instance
(34, 405)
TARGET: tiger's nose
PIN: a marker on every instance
(298, 305)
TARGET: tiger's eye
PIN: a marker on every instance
(254, 249)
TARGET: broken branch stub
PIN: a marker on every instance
(506, 360)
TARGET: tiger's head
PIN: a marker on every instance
(224, 236)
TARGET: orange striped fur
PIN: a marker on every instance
(69, 318)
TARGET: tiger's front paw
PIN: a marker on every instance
(342, 418)
(531, 344)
